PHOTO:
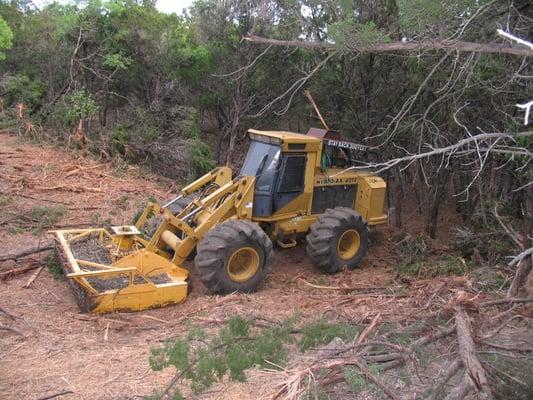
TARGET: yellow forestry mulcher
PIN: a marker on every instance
(290, 185)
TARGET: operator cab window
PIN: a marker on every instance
(291, 180)
(261, 162)
(293, 173)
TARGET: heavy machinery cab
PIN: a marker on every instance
(302, 175)
(278, 162)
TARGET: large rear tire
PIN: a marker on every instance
(338, 240)
(235, 256)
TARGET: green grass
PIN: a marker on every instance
(5, 200)
(356, 381)
(37, 219)
(54, 268)
(322, 332)
(446, 265)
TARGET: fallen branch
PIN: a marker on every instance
(342, 288)
(26, 253)
(448, 374)
(515, 236)
(292, 387)
(505, 301)
(362, 337)
(33, 277)
(417, 343)
(520, 277)
(53, 396)
(454, 45)
(17, 271)
(461, 391)
(75, 189)
(8, 314)
(467, 352)
(11, 329)
(371, 377)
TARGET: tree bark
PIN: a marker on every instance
(520, 278)
(467, 352)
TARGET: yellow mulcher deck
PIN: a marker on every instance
(105, 278)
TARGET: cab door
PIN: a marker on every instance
(291, 181)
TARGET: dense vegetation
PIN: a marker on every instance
(119, 78)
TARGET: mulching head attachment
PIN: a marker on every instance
(110, 272)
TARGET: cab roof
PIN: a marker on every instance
(287, 137)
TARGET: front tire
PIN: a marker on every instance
(235, 256)
(338, 240)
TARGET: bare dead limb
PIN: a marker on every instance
(433, 337)
(17, 271)
(505, 301)
(11, 329)
(521, 256)
(448, 374)
(362, 337)
(454, 45)
(514, 236)
(453, 149)
(342, 288)
(520, 277)
(499, 328)
(371, 377)
(8, 314)
(294, 89)
(243, 70)
(26, 253)
(309, 96)
(53, 396)
(292, 387)
(468, 355)
(33, 277)
(461, 391)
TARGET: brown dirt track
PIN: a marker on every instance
(106, 357)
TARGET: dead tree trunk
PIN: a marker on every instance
(467, 352)
(438, 195)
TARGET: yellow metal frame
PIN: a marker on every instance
(133, 297)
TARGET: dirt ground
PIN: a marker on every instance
(58, 349)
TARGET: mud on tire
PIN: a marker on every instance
(235, 256)
(337, 240)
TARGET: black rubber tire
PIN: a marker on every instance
(324, 236)
(219, 244)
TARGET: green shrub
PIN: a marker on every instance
(142, 129)
(23, 89)
(80, 105)
(120, 137)
(236, 348)
(6, 37)
(429, 268)
(201, 158)
(52, 262)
